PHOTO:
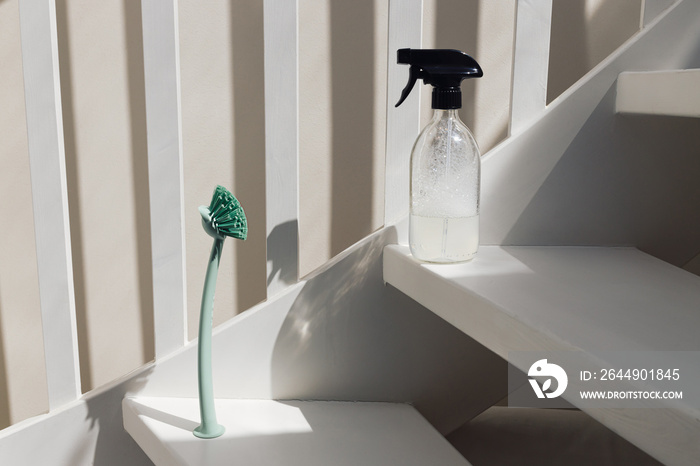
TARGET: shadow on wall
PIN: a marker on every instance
(282, 252)
(457, 27)
(113, 444)
(568, 53)
(89, 431)
(590, 164)
(348, 336)
(483, 30)
(623, 180)
(247, 56)
(353, 92)
(139, 162)
(583, 34)
(665, 166)
(139, 166)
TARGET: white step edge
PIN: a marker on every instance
(293, 433)
(669, 93)
(588, 299)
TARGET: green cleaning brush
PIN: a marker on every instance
(224, 217)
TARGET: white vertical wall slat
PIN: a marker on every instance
(281, 24)
(50, 198)
(403, 123)
(533, 24)
(165, 172)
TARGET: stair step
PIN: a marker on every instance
(293, 433)
(669, 92)
(583, 299)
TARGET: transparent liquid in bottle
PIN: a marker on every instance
(445, 176)
(444, 239)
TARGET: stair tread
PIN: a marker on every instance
(287, 432)
(592, 300)
(667, 92)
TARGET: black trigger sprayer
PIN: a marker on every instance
(445, 165)
(444, 69)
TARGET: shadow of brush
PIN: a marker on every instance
(282, 245)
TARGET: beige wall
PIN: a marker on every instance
(584, 32)
(223, 126)
(343, 97)
(101, 68)
(342, 81)
(22, 377)
(485, 31)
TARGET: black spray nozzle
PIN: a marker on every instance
(444, 69)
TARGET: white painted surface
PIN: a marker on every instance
(340, 335)
(547, 172)
(651, 9)
(571, 298)
(293, 433)
(50, 199)
(403, 123)
(282, 143)
(693, 266)
(543, 436)
(592, 298)
(670, 93)
(533, 26)
(162, 79)
(79, 417)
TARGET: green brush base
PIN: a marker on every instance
(214, 431)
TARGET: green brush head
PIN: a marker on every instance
(224, 216)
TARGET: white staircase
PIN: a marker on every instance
(293, 433)
(565, 294)
(583, 222)
(563, 206)
(584, 299)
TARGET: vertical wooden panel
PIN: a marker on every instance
(50, 198)
(403, 123)
(533, 25)
(281, 25)
(165, 177)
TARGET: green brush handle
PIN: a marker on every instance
(209, 428)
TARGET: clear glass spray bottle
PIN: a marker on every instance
(445, 162)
